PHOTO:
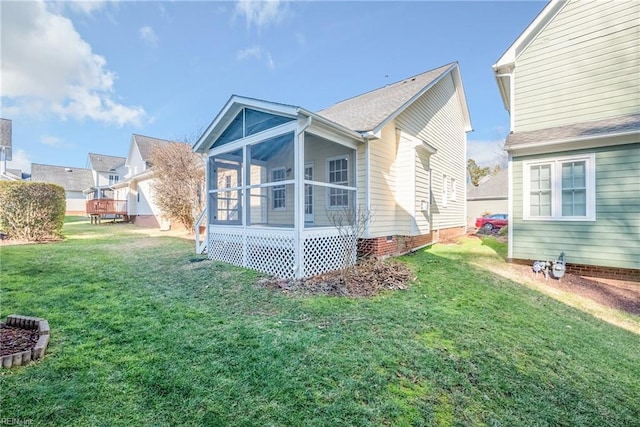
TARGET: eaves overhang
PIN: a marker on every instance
(568, 144)
(236, 103)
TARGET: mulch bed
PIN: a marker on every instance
(619, 294)
(15, 340)
(367, 278)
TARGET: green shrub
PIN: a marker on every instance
(31, 211)
(504, 231)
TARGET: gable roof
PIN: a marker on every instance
(236, 103)
(71, 179)
(146, 144)
(575, 133)
(370, 111)
(504, 66)
(493, 187)
(102, 162)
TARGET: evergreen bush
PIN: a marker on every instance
(31, 211)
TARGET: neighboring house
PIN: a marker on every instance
(280, 176)
(5, 150)
(73, 180)
(491, 196)
(107, 171)
(570, 83)
(136, 186)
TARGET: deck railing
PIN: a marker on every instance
(106, 207)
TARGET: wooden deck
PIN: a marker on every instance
(100, 208)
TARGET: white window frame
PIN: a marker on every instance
(453, 190)
(556, 187)
(279, 188)
(445, 191)
(341, 183)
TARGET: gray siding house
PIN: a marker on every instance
(570, 83)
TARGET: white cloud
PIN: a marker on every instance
(53, 141)
(256, 52)
(487, 153)
(147, 35)
(270, 63)
(86, 6)
(250, 52)
(261, 13)
(48, 67)
(20, 160)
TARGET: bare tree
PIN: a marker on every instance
(351, 224)
(179, 181)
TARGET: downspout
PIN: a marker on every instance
(510, 208)
(299, 199)
(512, 94)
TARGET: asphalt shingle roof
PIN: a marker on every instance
(102, 162)
(365, 112)
(628, 123)
(71, 179)
(494, 186)
(146, 144)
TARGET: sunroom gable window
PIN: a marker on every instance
(561, 189)
(249, 122)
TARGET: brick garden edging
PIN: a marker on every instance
(24, 357)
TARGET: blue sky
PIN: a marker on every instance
(81, 77)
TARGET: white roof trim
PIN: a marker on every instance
(458, 83)
(534, 29)
(236, 103)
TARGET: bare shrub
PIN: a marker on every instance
(179, 179)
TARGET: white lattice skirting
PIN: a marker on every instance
(275, 252)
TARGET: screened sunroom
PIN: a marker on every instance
(278, 177)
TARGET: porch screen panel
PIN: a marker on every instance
(225, 181)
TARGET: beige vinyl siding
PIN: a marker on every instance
(613, 240)
(422, 225)
(75, 201)
(317, 151)
(583, 66)
(405, 187)
(437, 119)
(383, 183)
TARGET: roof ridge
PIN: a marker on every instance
(413, 77)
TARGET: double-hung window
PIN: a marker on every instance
(278, 192)
(338, 169)
(560, 189)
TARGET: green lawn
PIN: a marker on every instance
(146, 333)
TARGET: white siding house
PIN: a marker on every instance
(136, 186)
(280, 176)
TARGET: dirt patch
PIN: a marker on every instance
(619, 294)
(369, 277)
